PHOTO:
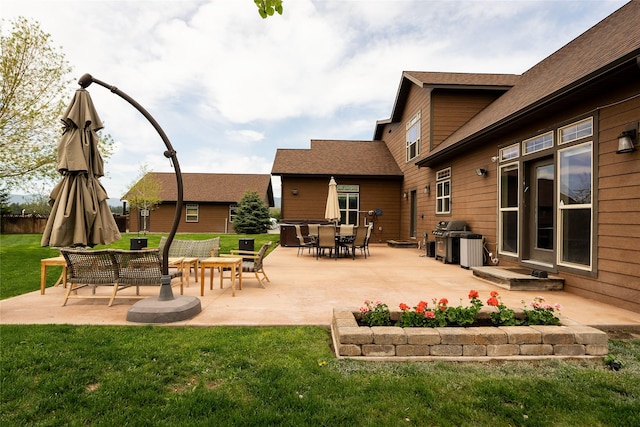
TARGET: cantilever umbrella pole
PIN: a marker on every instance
(166, 292)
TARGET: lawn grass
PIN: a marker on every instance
(20, 256)
(277, 376)
(287, 376)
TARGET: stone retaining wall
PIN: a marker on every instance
(568, 340)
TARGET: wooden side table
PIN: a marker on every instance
(58, 261)
(234, 263)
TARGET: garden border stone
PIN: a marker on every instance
(476, 343)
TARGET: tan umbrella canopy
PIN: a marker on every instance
(80, 214)
(332, 210)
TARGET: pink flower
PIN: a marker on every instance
(364, 309)
(429, 315)
(558, 306)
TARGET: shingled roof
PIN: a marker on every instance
(214, 187)
(328, 157)
(607, 45)
(439, 80)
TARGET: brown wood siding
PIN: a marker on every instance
(211, 219)
(310, 201)
(618, 255)
(451, 109)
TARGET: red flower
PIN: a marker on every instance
(404, 307)
(422, 306)
(494, 293)
(443, 301)
(493, 301)
(473, 294)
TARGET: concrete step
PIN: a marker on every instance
(518, 279)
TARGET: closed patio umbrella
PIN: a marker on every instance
(332, 210)
(80, 214)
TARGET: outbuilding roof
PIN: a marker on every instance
(329, 157)
(610, 43)
(214, 187)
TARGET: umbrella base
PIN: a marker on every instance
(152, 310)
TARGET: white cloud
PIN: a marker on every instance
(229, 88)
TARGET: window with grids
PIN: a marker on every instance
(537, 143)
(443, 191)
(413, 137)
(575, 131)
(192, 213)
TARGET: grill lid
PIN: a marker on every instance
(444, 227)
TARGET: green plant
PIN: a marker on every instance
(423, 316)
(503, 316)
(540, 312)
(464, 316)
(252, 215)
(375, 313)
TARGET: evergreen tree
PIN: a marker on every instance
(252, 216)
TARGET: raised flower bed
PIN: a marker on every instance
(567, 339)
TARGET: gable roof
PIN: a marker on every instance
(330, 157)
(604, 47)
(213, 187)
(437, 80)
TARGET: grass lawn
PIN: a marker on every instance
(168, 376)
(63, 375)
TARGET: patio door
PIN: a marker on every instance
(539, 224)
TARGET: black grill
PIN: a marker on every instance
(448, 235)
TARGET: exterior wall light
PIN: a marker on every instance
(405, 195)
(427, 189)
(481, 171)
(625, 142)
(294, 191)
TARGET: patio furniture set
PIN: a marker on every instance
(340, 241)
(122, 269)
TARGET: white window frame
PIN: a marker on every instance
(413, 137)
(562, 208)
(576, 131)
(344, 213)
(509, 153)
(443, 177)
(502, 209)
(192, 212)
(538, 143)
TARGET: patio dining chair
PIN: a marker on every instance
(326, 239)
(358, 242)
(303, 241)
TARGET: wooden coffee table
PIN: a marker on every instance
(234, 263)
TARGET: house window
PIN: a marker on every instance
(538, 143)
(232, 212)
(349, 204)
(413, 137)
(192, 212)
(510, 152)
(509, 190)
(576, 131)
(443, 191)
(575, 206)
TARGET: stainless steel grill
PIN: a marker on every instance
(447, 235)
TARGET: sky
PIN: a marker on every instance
(229, 88)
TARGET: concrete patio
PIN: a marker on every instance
(304, 291)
